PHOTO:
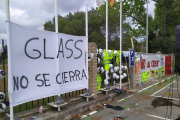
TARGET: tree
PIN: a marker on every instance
(5, 54)
(74, 24)
(167, 17)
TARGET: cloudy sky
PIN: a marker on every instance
(35, 14)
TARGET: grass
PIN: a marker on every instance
(126, 107)
(159, 86)
(125, 100)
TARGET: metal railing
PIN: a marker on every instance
(32, 104)
(103, 75)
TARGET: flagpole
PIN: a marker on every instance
(120, 39)
(56, 17)
(56, 30)
(10, 91)
(87, 41)
(147, 28)
(106, 34)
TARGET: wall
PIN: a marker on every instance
(93, 69)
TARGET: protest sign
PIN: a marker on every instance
(44, 64)
(150, 62)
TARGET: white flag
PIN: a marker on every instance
(99, 2)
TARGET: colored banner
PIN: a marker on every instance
(162, 60)
(150, 62)
(44, 64)
(168, 65)
(131, 58)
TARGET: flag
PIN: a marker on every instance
(99, 2)
(112, 2)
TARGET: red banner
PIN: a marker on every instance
(168, 65)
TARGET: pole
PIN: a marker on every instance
(4, 69)
(87, 41)
(56, 29)
(7, 10)
(106, 33)
(120, 38)
(131, 79)
(147, 28)
(10, 90)
(56, 17)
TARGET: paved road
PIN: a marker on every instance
(141, 106)
(171, 91)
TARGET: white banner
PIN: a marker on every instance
(126, 54)
(150, 62)
(162, 65)
(42, 62)
(162, 60)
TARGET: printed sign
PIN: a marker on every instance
(150, 62)
(45, 64)
(131, 58)
(168, 65)
(162, 60)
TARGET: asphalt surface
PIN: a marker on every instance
(142, 106)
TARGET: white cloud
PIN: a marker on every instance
(3, 36)
(16, 12)
(34, 13)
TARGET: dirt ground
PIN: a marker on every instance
(141, 106)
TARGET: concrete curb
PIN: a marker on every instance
(75, 107)
(78, 108)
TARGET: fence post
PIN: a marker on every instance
(4, 70)
(173, 61)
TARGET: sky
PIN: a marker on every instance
(35, 14)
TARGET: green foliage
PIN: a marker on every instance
(167, 17)
(177, 62)
(163, 44)
(74, 24)
(5, 55)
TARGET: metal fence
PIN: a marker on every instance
(44, 101)
(32, 104)
(111, 80)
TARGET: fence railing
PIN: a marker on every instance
(44, 101)
(111, 80)
(32, 104)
